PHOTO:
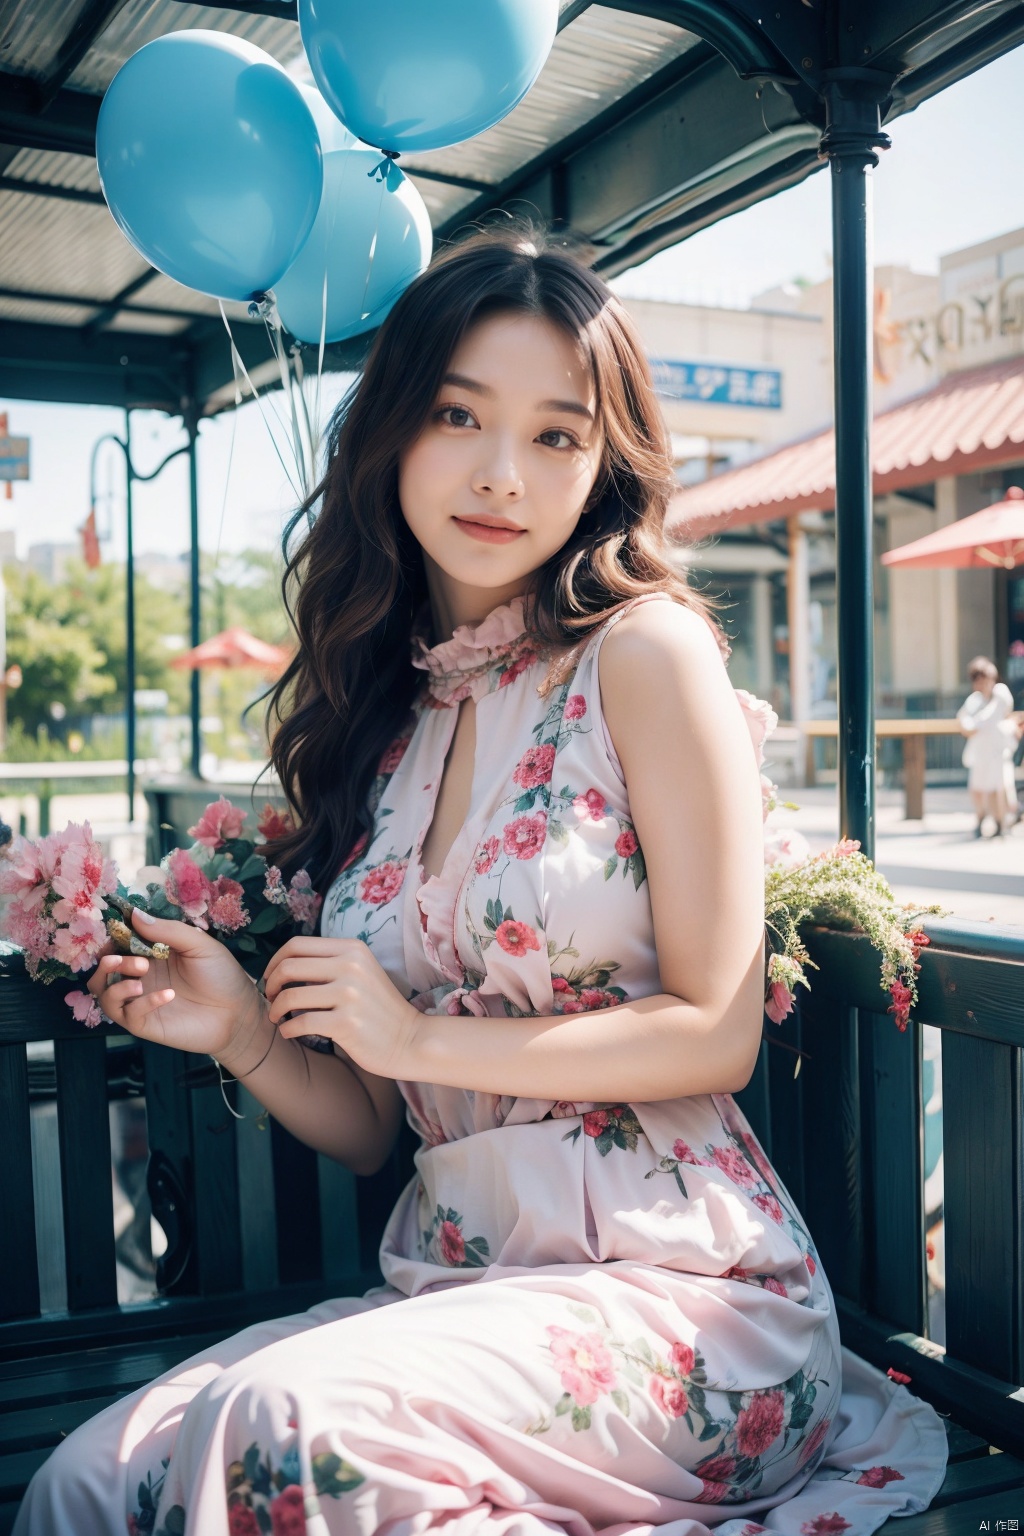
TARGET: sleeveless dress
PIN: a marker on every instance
(596, 1318)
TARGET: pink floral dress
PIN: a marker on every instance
(596, 1318)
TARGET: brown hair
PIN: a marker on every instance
(980, 666)
(358, 572)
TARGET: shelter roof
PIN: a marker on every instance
(651, 119)
(971, 420)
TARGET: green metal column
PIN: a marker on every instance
(195, 611)
(852, 98)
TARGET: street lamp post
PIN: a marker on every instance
(132, 475)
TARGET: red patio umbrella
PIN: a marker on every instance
(993, 537)
(235, 647)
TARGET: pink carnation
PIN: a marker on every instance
(735, 1166)
(877, 1477)
(516, 938)
(78, 945)
(486, 855)
(303, 901)
(273, 823)
(575, 706)
(682, 1358)
(383, 882)
(187, 886)
(831, 1524)
(451, 1243)
(771, 1207)
(393, 755)
(85, 1008)
(226, 910)
(220, 822)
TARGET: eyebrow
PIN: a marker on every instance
(465, 382)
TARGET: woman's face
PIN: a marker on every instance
(497, 480)
(983, 682)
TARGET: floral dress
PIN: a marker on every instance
(596, 1318)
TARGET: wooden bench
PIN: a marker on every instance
(912, 733)
(260, 1226)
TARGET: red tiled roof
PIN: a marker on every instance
(972, 420)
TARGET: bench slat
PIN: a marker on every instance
(983, 1202)
(961, 1519)
(95, 1373)
(216, 1214)
(833, 1152)
(28, 1429)
(992, 1474)
(893, 1170)
(19, 1263)
(83, 1127)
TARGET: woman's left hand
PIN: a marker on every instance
(335, 988)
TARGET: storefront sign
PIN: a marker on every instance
(718, 383)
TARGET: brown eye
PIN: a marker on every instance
(571, 441)
(455, 416)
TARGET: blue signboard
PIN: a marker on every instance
(13, 458)
(718, 383)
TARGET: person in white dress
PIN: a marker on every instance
(986, 719)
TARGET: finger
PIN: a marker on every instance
(111, 963)
(304, 1024)
(290, 998)
(307, 946)
(292, 970)
(179, 936)
(139, 1008)
(119, 993)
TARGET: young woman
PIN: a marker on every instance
(528, 790)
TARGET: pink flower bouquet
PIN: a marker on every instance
(61, 900)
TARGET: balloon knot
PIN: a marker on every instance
(260, 306)
(386, 170)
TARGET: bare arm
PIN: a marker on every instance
(328, 1102)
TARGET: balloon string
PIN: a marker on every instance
(231, 460)
(236, 355)
(373, 247)
(273, 328)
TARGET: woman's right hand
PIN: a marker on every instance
(198, 999)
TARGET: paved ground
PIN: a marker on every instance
(934, 860)
(937, 859)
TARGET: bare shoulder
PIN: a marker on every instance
(654, 640)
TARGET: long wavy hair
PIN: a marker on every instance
(355, 581)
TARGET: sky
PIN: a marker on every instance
(951, 179)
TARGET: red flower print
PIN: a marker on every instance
(590, 807)
(287, 1512)
(685, 1154)
(898, 1376)
(753, 1529)
(681, 1356)
(877, 1477)
(518, 666)
(669, 1396)
(735, 1166)
(133, 1526)
(771, 1207)
(451, 1243)
(516, 938)
(813, 1441)
(383, 882)
(760, 1423)
(596, 1121)
(563, 1110)
(358, 847)
(584, 1362)
(825, 1525)
(393, 755)
(626, 843)
(597, 997)
(771, 1284)
(524, 837)
(534, 767)
(809, 1260)
(559, 984)
(575, 707)
(486, 855)
(711, 1493)
(757, 1156)
(242, 1520)
(572, 1005)
(718, 1470)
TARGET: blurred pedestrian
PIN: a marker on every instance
(986, 719)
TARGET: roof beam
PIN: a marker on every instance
(50, 189)
(80, 301)
(92, 21)
(68, 125)
(113, 306)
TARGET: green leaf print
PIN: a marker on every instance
(251, 1462)
(174, 1525)
(610, 866)
(333, 1476)
(559, 831)
(564, 1403)
(621, 1401)
(580, 1418)
(525, 801)
(586, 1315)
(639, 869)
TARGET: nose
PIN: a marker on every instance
(497, 475)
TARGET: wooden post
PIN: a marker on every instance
(913, 777)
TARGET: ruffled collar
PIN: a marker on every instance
(478, 658)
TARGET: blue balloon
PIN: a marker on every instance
(370, 240)
(210, 162)
(331, 130)
(420, 74)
